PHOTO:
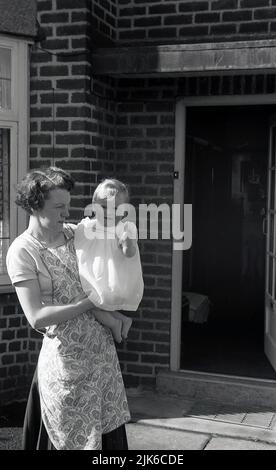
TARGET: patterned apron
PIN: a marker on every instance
(80, 382)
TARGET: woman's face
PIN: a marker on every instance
(55, 210)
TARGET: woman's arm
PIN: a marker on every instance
(39, 315)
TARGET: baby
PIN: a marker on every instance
(108, 259)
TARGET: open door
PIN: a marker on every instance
(270, 290)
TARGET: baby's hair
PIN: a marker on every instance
(109, 188)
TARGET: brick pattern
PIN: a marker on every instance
(19, 347)
(104, 17)
(160, 21)
(70, 126)
(145, 161)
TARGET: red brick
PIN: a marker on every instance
(133, 11)
(268, 13)
(139, 369)
(44, 5)
(8, 359)
(207, 18)
(53, 70)
(54, 17)
(8, 334)
(71, 4)
(193, 6)
(254, 3)
(224, 4)
(155, 358)
(15, 346)
(56, 44)
(254, 27)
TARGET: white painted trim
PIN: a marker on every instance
(23, 125)
(237, 100)
(180, 133)
(177, 255)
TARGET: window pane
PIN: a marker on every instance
(272, 190)
(273, 148)
(4, 196)
(270, 275)
(271, 234)
(5, 78)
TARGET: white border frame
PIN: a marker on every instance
(179, 165)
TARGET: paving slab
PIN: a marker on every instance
(10, 438)
(204, 416)
(143, 437)
(224, 443)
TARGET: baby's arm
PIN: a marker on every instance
(126, 322)
(110, 320)
(116, 321)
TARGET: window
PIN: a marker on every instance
(4, 195)
(5, 78)
(14, 73)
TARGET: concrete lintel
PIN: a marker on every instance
(187, 59)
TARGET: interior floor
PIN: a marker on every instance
(222, 349)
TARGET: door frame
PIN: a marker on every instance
(179, 166)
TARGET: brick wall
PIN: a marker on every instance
(162, 21)
(104, 17)
(19, 346)
(145, 160)
(70, 126)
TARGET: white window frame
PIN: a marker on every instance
(17, 120)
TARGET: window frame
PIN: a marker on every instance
(17, 120)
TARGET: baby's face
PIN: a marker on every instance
(105, 210)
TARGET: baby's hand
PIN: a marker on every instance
(127, 240)
(129, 231)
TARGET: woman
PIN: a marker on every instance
(77, 399)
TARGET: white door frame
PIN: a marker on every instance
(179, 166)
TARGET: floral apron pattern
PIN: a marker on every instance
(80, 382)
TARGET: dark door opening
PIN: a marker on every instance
(224, 271)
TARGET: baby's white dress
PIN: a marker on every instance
(111, 280)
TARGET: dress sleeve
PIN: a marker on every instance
(20, 264)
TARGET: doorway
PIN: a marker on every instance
(223, 282)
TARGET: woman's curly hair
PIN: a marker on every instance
(34, 189)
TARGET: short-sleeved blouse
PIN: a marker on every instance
(24, 262)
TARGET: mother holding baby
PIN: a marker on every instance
(77, 399)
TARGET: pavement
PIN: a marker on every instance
(169, 422)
